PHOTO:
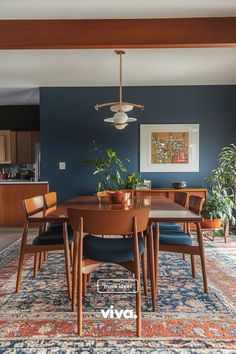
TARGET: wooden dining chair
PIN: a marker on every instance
(104, 196)
(179, 241)
(50, 201)
(45, 240)
(92, 251)
(181, 199)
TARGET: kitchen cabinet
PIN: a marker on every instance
(11, 196)
(7, 147)
(26, 141)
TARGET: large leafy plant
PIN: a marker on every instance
(112, 170)
(223, 185)
(224, 177)
(218, 207)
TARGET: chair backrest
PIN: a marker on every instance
(181, 198)
(196, 204)
(109, 222)
(33, 205)
(50, 200)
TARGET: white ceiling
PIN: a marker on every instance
(22, 72)
(26, 9)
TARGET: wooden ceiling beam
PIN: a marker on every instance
(123, 33)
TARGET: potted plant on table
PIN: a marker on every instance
(112, 171)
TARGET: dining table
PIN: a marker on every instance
(161, 208)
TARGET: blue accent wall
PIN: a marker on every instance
(69, 124)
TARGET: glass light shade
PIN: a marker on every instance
(121, 108)
(120, 126)
(120, 117)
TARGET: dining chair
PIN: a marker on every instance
(50, 201)
(104, 196)
(181, 199)
(91, 251)
(178, 241)
(44, 241)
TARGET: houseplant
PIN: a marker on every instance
(112, 171)
(224, 177)
(217, 210)
(221, 201)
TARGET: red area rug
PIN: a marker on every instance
(39, 318)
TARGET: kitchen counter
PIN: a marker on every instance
(21, 181)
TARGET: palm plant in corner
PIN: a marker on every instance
(112, 171)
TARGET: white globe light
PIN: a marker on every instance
(120, 117)
(120, 126)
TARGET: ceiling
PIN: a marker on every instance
(85, 9)
(23, 72)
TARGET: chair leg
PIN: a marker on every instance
(75, 273)
(138, 285)
(71, 253)
(20, 270)
(67, 258)
(40, 259)
(150, 256)
(183, 256)
(156, 255)
(193, 266)
(84, 285)
(138, 307)
(202, 257)
(36, 263)
(45, 256)
(21, 259)
(79, 280)
(79, 302)
(144, 271)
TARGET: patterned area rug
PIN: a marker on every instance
(39, 318)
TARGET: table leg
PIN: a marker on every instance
(156, 255)
(151, 263)
(202, 257)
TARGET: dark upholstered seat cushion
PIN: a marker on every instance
(169, 226)
(112, 250)
(56, 227)
(175, 238)
(54, 237)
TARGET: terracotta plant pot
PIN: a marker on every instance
(211, 224)
(118, 197)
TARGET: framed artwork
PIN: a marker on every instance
(169, 147)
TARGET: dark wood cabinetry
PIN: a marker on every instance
(26, 146)
(170, 192)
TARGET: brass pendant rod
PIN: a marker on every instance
(121, 81)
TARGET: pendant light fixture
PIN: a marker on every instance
(120, 119)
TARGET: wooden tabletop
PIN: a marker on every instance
(161, 209)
